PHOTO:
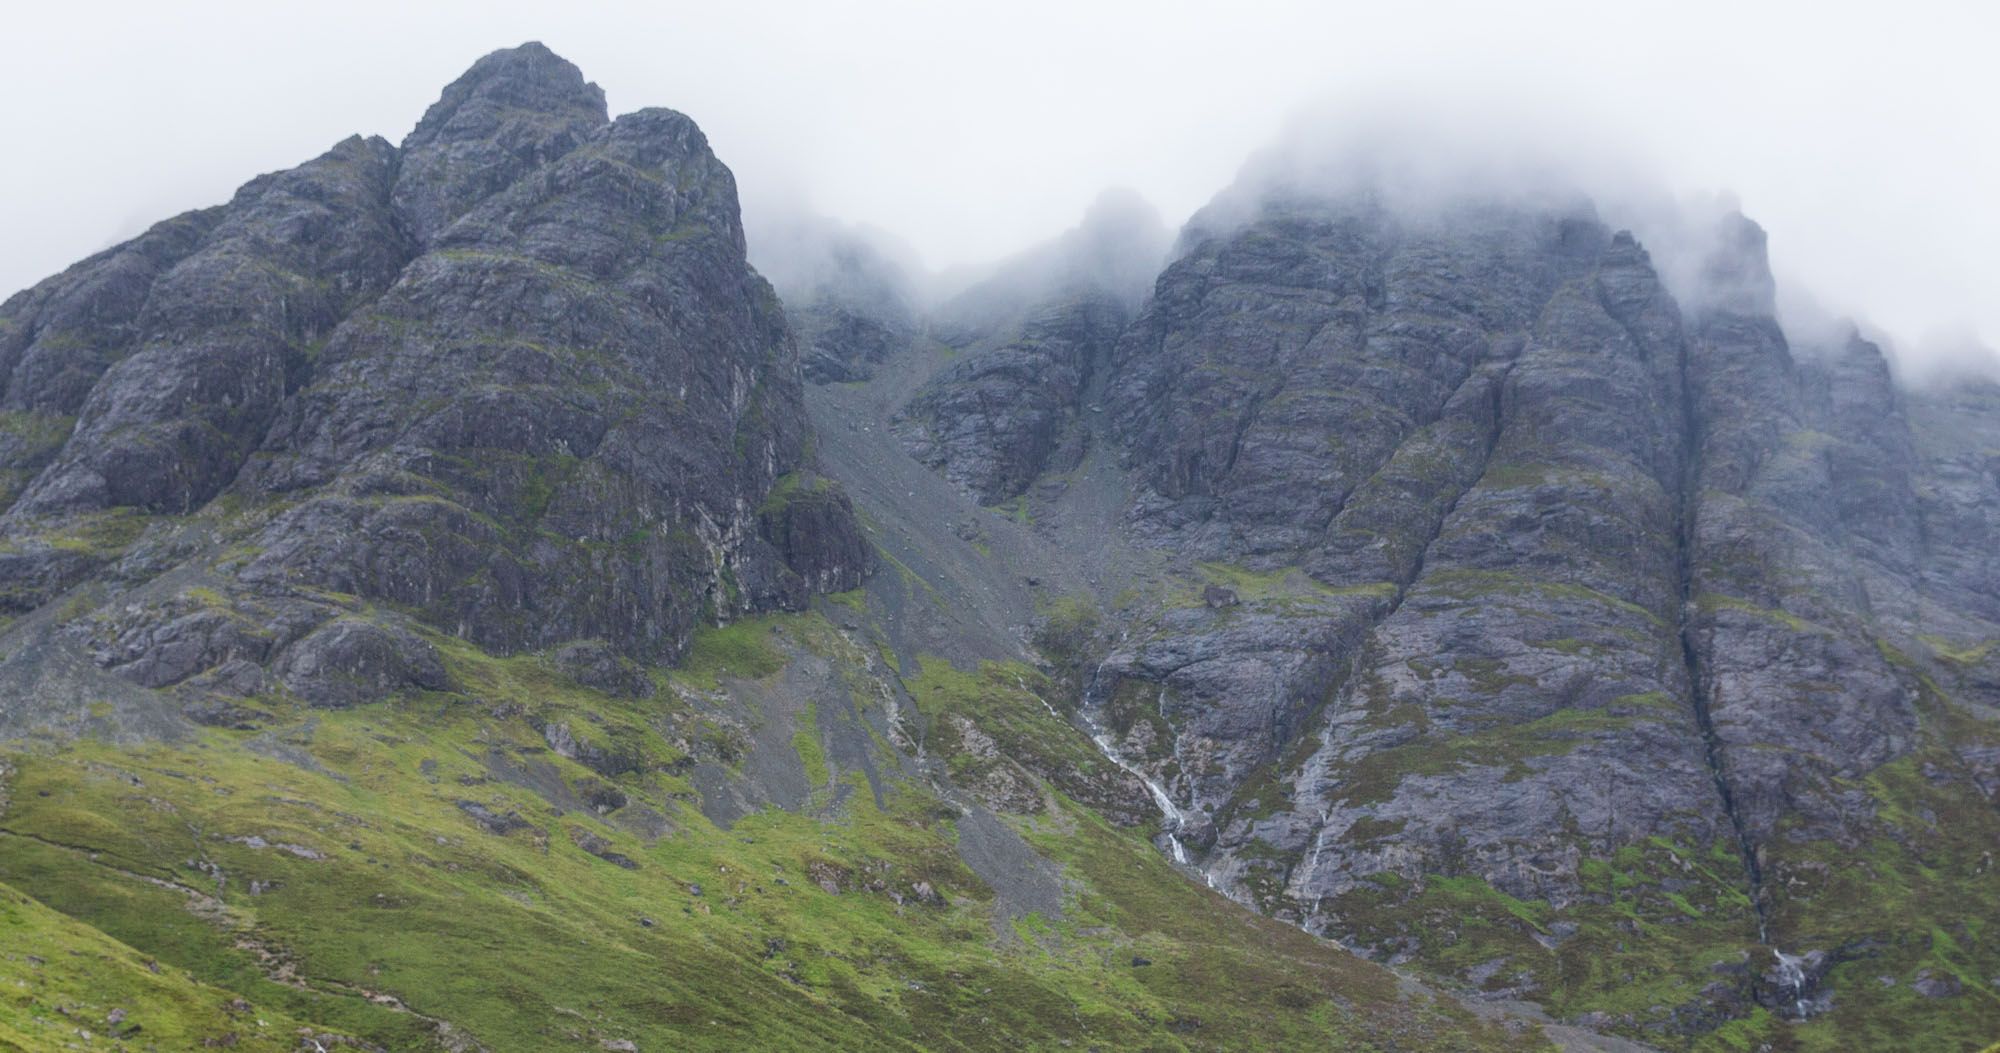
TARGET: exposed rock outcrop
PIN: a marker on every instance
(513, 379)
(1561, 605)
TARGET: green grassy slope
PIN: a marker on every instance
(64, 985)
(432, 872)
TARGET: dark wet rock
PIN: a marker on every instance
(501, 823)
(597, 846)
(514, 380)
(168, 644)
(38, 571)
(348, 662)
(223, 335)
(220, 713)
(554, 498)
(832, 878)
(810, 526)
(1034, 338)
(512, 112)
(1934, 985)
(595, 664)
(57, 338)
(1440, 580)
(838, 342)
(849, 304)
(608, 760)
(1518, 565)
(1006, 414)
(602, 797)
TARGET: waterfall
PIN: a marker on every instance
(1023, 685)
(1792, 974)
(1100, 736)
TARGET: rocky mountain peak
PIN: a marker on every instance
(515, 382)
(510, 82)
(1118, 247)
(513, 110)
(1426, 563)
(1736, 269)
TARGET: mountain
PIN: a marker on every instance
(454, 601)
(1027, 341)
(1517, 623)
(431, 624)
(851, 303)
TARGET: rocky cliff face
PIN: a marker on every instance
(1031, 344)
(1440, 581)
(1517, 612)
(512, 382)
(849, 302)
(427, 625)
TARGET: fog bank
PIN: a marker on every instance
(1862, 140)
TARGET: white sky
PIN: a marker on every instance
(1865, 138)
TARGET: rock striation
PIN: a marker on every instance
(1472, 582)
(1032, 341)
(1565, 606)
(511, 382)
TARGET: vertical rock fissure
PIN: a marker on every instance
(1684, 527)
(1496, 409)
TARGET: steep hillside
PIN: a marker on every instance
(434, 623)
(451, 602)
(1524, 626)
(513, 382)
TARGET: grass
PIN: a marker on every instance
(1286, 586)
(1710, 602)
(1959, 654)
(334, 869)
(1510, 746)
(98, 535)
(66, 985)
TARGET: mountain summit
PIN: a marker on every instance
(451, 602)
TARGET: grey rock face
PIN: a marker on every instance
(57, 338)
(840, 343)
(512, 112)
(1540, 578)
(597, 665)
(1003, 416)
(347, 662)
(618, 401)
(1475, 601)
(514, 379)
(1035, 339)
(223, 332)
(853, 313)
(1467, 434)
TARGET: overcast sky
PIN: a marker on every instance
(1864, 137)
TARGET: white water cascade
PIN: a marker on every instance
(1791, 972)
(1312, 866)
(1100, 736)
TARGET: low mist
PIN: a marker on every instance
(947, 138)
